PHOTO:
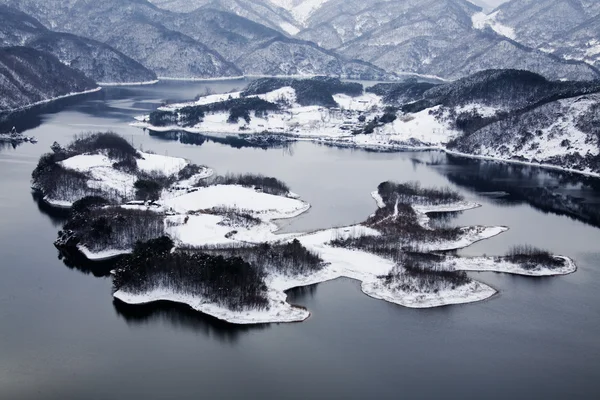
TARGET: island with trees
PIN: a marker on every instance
(178, 232)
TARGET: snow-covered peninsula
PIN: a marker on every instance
(180, 233)
(504, 115)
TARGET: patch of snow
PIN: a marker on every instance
(102, 255)
(265, 206)
(279, 311)
(158, 163)
(289, 28)
(481, 21)
(366, 102)
(490, 264)
(301, 10)
(469, 293)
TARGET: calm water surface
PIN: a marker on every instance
(62, 337)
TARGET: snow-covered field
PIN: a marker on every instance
(99, 168)
(333, 125)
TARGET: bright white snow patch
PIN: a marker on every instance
(301, 10)
(265, 206)
(481, 21)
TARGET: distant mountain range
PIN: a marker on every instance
(344, 38)
(569, 29)
(28, 76)
(122, 41)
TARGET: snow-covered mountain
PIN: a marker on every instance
(508, 114)
(259, 50)
(28, 76)
(301, 10)
(200, 44)
(130, 27)
(435, 37)
(220, 38)
(569, 29)
(259, 11)
(96, 60)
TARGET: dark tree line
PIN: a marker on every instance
(227, 281)
(529, 258)
(316, 91)
(100, 227)
(422, 273)
(411, 193)
(400, 93)
(193, 115)
(399, 224)
(289, 259)
(260, 182)
(401, 234)
(59, 183)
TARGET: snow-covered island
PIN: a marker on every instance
(180, 233)
(505, 115)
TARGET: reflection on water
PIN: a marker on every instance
(58, 216)
(550, 191)
(181, 316)
(536, 339)
(233, 141)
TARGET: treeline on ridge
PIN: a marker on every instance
(316, 91)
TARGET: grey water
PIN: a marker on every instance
(63, 337)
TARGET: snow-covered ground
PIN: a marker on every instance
(556, 138)
(199, 216)
(99, 167)
(331, 125)
(339, 262)
(301, 10)
(425, 130)
(499, 264)
(481, 21)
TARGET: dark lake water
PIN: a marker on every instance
(62, 337)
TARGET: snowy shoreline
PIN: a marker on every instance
(354, 264)
(242, 213)
(340, 143)
(144, 83)
(10, 110)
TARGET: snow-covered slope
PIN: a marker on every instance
(258, 50)
(28, 76)
(96, 60)
(562, 133)
(566, 28)
(262, 12)
(134, 28)
(440, 39)
(301, 10)
(536, 22)
(504, 114)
